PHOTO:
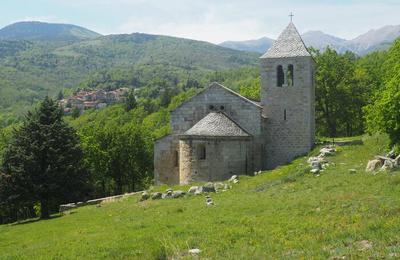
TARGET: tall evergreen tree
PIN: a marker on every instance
(44, 162)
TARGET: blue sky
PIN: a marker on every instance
(209, 20)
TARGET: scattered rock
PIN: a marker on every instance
(156, 195)
(233, 178)
(209, 187)
(219, 186)
(227, 187)
(373, 165)
(316, 165)
(66, 207)
(314, 171)
(193, 189)
(391, 154)
(145, 196)
(327, 151)
(364, 245)
(209, 201)
(388, 165)
(194, 251)
(397, 161)
(199, 190)
(235, 181)
(178, 194)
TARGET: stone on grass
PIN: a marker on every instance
(373, 165)
(194, 251)
(193, 189)
(314, 171)
(391, 154)
(316, 165)
(388, 165)
(199, 190)
(364, 245)
(218, 186)
(145, 196)
(397, 162)
(235, 181)
(209, 201)
(233, 178)
(209, 187)
(178, 194)
(156, 195)
(327, 151)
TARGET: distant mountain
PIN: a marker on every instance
(40, 31)
(29, 70)
(320, 40)
(373, 40)
(259, 45)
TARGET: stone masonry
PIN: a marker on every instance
(219, 133)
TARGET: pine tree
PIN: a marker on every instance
(44, 161)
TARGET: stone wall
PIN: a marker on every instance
(224, 157)
(217, 98)
(166, 168)
(290, 111)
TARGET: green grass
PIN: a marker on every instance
(285, 213)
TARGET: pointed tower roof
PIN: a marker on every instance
(288, 44)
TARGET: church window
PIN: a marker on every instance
(284, 114)
(201, 153)
(290, 75)
(222, 107)
(211, 107)
(280, 76)
(176, 159)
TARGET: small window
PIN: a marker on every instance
(290, 75)
(284, 114)
(176, 159)
(201, 152)
(211, 107)
(280, 76)
(222, 107)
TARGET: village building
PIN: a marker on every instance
(219, 133)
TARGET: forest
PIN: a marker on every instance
(354, 96)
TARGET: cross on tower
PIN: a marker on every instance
(291, 16)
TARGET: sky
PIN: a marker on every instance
(209, 20)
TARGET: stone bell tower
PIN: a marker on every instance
(288, 98)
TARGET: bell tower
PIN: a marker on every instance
(288, 98)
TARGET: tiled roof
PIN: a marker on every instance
(288, 44)
(216, 124)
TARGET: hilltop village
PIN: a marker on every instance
(93, 99)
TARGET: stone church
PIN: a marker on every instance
(219, 133)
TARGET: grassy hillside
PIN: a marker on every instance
(285, 213)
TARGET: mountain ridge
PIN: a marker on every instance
(42, 31)
(374, 39)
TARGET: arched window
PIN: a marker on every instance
(290, 75)
(280, 76)
(201, 153)
(284, 115)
